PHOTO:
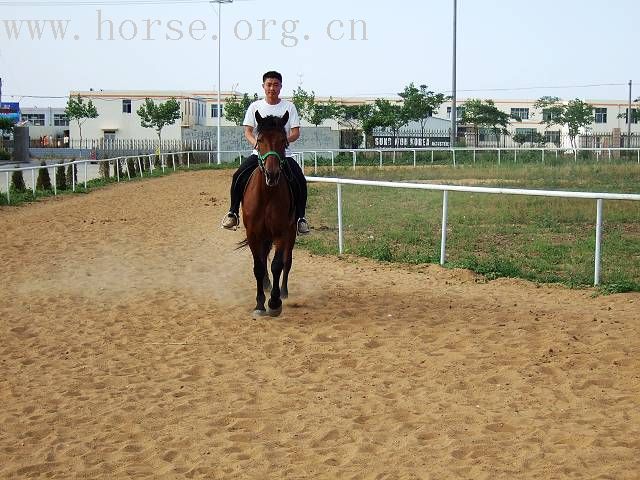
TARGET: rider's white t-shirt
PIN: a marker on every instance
(277, 110)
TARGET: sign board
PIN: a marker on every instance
(10, 111)
(387, 141)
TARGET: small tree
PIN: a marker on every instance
(387, 115)
(80, 112)
(419, 104)
(61, 180)
(486, 114)
(235, 109)
(353, 117)
(576, 114)
(17, 181)
(158, 116)
(44, 180)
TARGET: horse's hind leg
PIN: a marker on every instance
(275, 303)
(259, 271)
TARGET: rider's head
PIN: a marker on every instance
(272, 84)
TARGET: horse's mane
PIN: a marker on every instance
(270, 122)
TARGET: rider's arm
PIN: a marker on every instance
(294, 134)
(248, 134)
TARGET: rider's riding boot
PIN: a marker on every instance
(303, 226)
(230, 221)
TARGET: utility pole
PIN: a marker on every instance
(629, 117)
(219, 2)
(454, 120)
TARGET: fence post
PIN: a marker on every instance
(499, 156)
(575, 154)
(394, 157)
(414, 158)
(73, 176)
(85, 175)
(474, 155)
(209, 158)
(380, 152)
(140, 167)
(443, 237)
(596, 275)
(515, 156)
(353, 152)
(453, 151)
(543, 155)
(188, 160)
(55, 188)
(432, 156)
(315, 162)
(332, 159)
(173, 160)
(33, 182)
(7, 184)
(340, 234)
(116, 165)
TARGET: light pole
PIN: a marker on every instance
(219, 110)
(454, 109)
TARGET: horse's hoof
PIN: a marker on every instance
(259, 314)
(275, 312)
(284, 294)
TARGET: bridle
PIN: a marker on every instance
(264, 156)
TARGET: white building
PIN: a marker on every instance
(47, 126)
(199, 109)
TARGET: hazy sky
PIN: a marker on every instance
(506, 45)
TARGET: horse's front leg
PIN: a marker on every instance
(275, 303)
(288, 260)
(259, 271)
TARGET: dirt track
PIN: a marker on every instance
(128, 352)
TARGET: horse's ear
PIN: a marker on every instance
(285, 118)
(258, 117)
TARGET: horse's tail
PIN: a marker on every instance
(243, 244)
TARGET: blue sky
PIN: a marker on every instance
(505, 47)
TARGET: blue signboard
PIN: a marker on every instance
(10, 111)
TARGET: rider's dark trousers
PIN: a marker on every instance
(292, 171)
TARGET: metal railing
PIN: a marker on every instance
(121, 166)
(544, 152)
(445, 189)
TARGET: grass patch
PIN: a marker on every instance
(542, 239)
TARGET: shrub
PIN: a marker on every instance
(131, 165)
(4, 155)
(104, 170)
(17, 181)
(72, 174)
(44, 180)
(61, 179)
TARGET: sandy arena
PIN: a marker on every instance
(128, 351)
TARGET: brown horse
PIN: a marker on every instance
(268, 214)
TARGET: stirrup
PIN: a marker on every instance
(227, 221)
(303, 226)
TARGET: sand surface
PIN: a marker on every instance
(128, 351)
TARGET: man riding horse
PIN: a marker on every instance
(272, 105)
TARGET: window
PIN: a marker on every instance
(521, 113)
(552, 136)
(528, 132)
(60, 120)
(214, 111)
(634, 115)
(601, 115)
(36, 119)
(548, 116)
(126, 106)
(459, 112)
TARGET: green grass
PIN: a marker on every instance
(542, 239)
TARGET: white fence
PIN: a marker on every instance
(599, 197)
(601, 153)
(123, 169)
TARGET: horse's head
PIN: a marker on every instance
(271, 144)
